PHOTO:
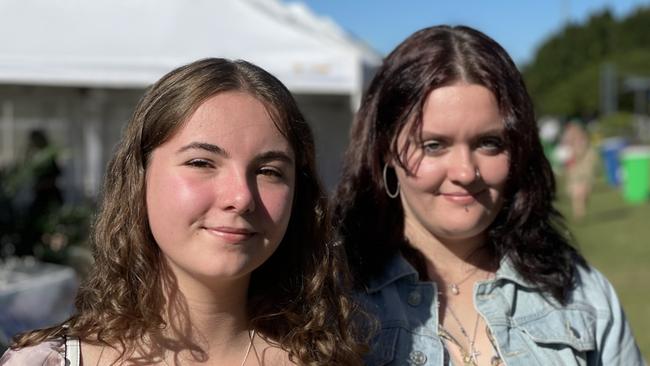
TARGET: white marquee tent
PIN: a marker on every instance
(77, 67)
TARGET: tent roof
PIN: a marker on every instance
(132, 43)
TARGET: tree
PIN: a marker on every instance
(564, 76)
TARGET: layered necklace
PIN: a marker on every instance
(469, 354)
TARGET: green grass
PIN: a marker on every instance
(615, 238)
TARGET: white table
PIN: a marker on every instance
(34, 295)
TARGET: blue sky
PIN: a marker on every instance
(518, 25)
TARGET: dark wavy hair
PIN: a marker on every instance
(297, 299)
(528, 229)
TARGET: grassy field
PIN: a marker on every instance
(615, 238)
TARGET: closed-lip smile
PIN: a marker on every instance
(231, 234)
(461, 198)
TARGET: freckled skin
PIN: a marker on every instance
(462, 132)
(219, 213)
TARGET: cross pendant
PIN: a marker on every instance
(473, 355)
(468, 361)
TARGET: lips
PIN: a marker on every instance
(461, 198)
(232, 235)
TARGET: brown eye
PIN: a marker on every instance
(199, 163)
(271, 174)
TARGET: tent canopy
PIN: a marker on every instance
(132, 43)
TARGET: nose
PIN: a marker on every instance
(238, 193)
(461, 167)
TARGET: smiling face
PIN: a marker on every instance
(219, 192)
(462, 133)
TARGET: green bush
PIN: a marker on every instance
(64, 228)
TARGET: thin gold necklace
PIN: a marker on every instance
(251, 337)
(470, 355)
(100, 355)
(455, 286)
(496, 360)
(250, 345)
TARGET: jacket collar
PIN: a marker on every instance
(395, 269)
(508, 272)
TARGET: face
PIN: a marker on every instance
(462, 133)
(220, 190)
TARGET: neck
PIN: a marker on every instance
(209, 314)
(447, 257)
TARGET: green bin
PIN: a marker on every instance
(636, 173)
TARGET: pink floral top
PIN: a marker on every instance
(51, 353)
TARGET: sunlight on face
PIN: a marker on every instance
(462, 134)
(220, 190)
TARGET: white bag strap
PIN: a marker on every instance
(72, 351)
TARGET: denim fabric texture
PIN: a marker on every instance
(529, 328)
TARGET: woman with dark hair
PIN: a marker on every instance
(211, 241)
(445, 211)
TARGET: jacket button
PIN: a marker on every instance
(417, 358)
(414, 298)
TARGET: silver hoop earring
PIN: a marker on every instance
(388, 192)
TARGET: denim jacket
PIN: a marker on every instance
(529, 328)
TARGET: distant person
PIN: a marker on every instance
(42, 158)
(446, 211)
(579, 165)
(210, 245)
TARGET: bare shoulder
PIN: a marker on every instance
(93, 354)
(43, 354)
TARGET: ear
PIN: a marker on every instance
(389, 160)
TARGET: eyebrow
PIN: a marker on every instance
(493, 132)
(275, 155)
(203, 146)
(499, 131)
(272, 155)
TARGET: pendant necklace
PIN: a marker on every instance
(455, 287)
(469, 355)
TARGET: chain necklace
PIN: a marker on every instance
(470, 356)
(250, 345)
(496, 360)
(455, 287)
(251, 336)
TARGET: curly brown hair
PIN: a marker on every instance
(298, 299)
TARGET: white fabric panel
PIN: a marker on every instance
(131, 43)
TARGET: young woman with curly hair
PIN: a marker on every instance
(211, 243)
(445, 210)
